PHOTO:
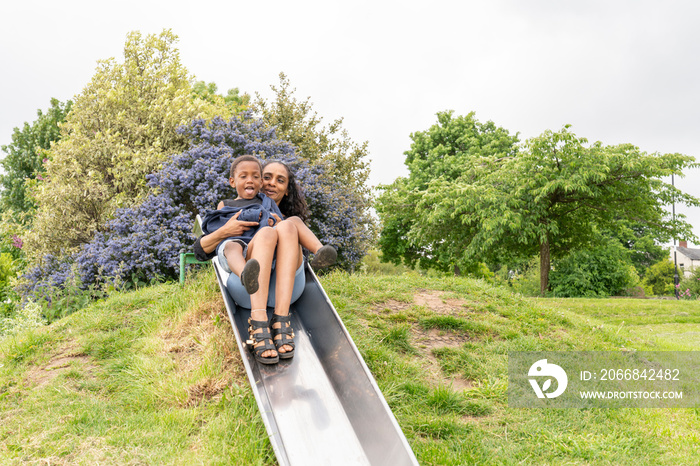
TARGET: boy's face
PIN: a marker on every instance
(247, 180)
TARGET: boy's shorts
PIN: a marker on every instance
(222, 257)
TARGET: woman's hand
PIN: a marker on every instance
(276, 220)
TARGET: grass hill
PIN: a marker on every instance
(153, 376)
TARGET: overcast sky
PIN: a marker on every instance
(617, 71)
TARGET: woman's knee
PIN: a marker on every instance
(266, 235)
(296, 221)
(287, 227)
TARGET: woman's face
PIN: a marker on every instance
(275, 181)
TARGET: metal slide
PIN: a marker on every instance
(322, 407)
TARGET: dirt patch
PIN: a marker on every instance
(204, 390)
(68, 358)
(392, 306)
(433, 338)
(427, 340)
(437, 303)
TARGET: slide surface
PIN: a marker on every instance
(322, 406)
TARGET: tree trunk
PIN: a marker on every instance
(544, 267)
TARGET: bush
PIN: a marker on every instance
(689, 287)
(603, 271)
(372, 263)
(659, 278)
(525, 281)
(26, 318)
(57, 287)
(12, 260)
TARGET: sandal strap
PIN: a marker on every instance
(284, 329)
(279, 318)
(258, 337)
(258, 350)
(257, 324)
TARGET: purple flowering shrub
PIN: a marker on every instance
(56, 286)
(142, 244)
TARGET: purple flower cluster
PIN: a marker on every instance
(144, 242)
(38, 282)
(17, 242)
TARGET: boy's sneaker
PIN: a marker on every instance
(324, 257)
(249, 276)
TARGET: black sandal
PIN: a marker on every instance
(284, 333)
(262, 337)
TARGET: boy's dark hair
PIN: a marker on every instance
(294, 203)
(245, 158)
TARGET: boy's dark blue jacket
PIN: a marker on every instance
(213, 220)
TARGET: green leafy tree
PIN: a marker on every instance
(548, 199)
(558, 191)
(236, 101)
(297, 122)
(442, 155)
(25, 156)
(645, 249)
(121, 128)
(343, 160)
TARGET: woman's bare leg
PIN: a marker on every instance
(289, 259)
(324, 256)
(262, 248)
(305, 235)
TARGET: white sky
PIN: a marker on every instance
(618, 71)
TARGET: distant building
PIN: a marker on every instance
(687, 258)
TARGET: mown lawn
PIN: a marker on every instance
(153, 377)
(652, 324)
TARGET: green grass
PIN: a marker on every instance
(154, 377)
(148, 377)
(652, 324)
